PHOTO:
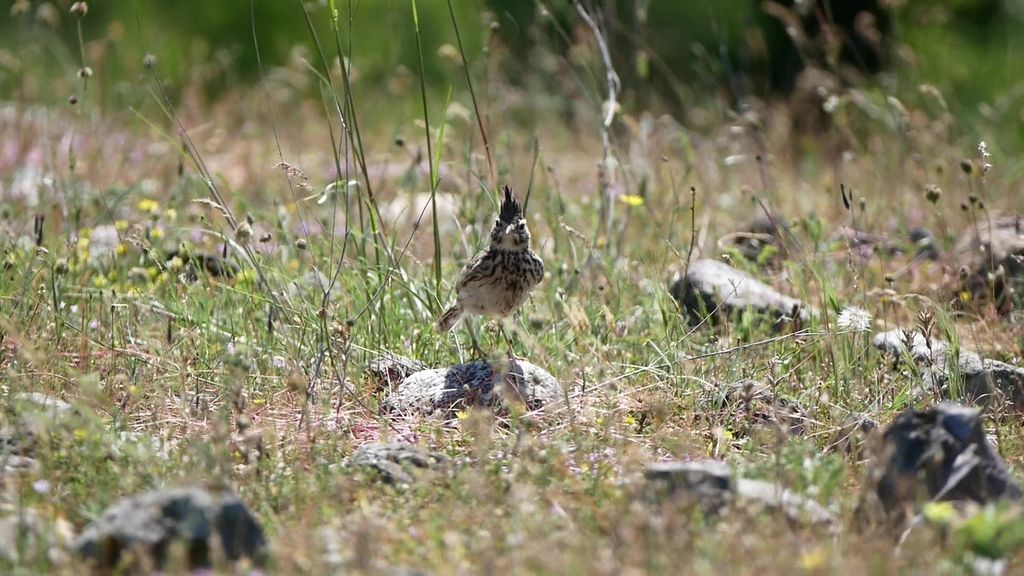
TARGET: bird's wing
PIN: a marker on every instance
(475, 270)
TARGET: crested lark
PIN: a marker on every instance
(500, 278)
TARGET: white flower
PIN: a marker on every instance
(854, 319)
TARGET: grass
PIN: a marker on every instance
(169, 371)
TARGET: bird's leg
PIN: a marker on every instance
(510, 348)
(475, 342)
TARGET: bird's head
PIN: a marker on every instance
(510, 231)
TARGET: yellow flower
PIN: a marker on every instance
(121, 249)
(83, 243)
(150, 206)
(246, 276)
(156, 234)
(171, 214)
(100, 282)
(814, 560)
(121, 225)
(939, 512)
(631, 200)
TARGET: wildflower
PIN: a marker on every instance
(985, 158)
(814, 560)
(80, 9)
(148, 205)
(631, 200)
(854, 319)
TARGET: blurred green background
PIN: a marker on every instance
(667, 52)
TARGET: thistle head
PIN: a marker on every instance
(510, 231)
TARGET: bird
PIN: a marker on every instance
(501, 277)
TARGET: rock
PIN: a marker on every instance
(753, 237)
(473, 384)
(939, 453)
(210, 525)
(28, 538)
(11, 464)
(749, 403)
(990, 260)
(30, 416)
(764, 494)
(396, 463)
(42, 403)
(985, 381)
(713, 287)
(389, 370)
(709, 484)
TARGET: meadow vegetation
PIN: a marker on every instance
(205, 245)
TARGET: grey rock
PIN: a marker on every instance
(44, 403)
(209, 524)
(756, 234)
(11, 464)
(389, 370)
(766, 494)
(710, 484)
(985, 381)
(704, 482)
(474, 384)
(939, 453)
(990, 260)
(713, 287)
(396, 463)
(30, 416)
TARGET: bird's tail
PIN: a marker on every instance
(450, 317)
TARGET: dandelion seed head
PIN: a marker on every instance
(854, 319)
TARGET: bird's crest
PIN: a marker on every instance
(510, 210)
